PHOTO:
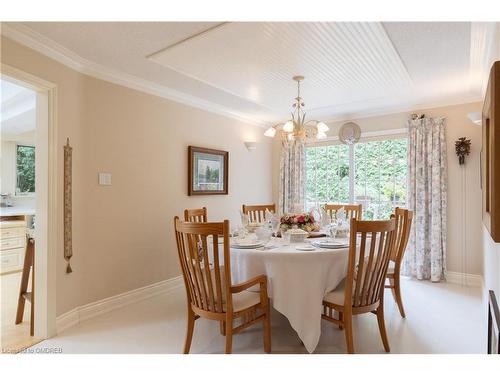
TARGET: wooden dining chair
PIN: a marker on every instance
(200, 215)
(24, 294)
(351, 210)
(196, 215)
(257, 213)
(403, 219)
(207, 278)
(362, 291)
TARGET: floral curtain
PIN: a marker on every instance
(425, 256)
(292, 176)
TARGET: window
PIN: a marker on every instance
(25, 168)
(377, 174)
(327, 174)
(380, 177)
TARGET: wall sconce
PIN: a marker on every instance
(251, 145)
(475, 117)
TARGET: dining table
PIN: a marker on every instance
(297, 279)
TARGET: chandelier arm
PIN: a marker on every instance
(298, 127)
(308, 122)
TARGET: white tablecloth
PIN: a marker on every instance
(298, 281)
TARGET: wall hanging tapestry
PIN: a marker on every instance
(68, 243)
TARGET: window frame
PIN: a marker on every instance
(28, 194)
(366, 137)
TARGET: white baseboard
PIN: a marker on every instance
(467, 279)
(85, 312)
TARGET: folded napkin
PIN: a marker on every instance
(340, 215)
(326, 220)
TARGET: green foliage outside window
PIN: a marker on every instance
(327, 174)
(25, 169)
(380, 176)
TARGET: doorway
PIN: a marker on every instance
(28, 209)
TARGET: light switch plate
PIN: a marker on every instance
(104, 178)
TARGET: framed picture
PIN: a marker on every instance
(493, 325)
(207, 171)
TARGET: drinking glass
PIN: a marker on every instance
(286, 236)
(275, 225)
(333, 231)
(241, 231)
(245, 220)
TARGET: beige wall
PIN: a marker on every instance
(123, 234)
(458, 125)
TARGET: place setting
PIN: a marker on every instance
(303, 231)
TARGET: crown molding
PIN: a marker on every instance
(36, 41)
(401, 109)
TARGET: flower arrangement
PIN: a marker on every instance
(304, 221)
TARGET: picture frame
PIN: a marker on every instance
(490, 161)
(208, 171)
(493, 324)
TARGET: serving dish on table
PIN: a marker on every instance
(309, 235)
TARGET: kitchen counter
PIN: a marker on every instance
(16, 211)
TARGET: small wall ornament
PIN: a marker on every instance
(462, 148)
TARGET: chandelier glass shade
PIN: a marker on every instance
(297, 128)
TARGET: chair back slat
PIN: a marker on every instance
(257, 213)
(404, 220)
(367, 278)
(199, 272)
(351, 210)
(367, 264)
(190, 274)
(196, 215)
(218, 276)
(206, 275)
(379, 274)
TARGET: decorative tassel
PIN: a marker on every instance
(68, 268)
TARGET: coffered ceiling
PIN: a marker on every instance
(244, 69)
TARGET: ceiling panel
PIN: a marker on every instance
(431, 50)
(245, 68)
(342, 62)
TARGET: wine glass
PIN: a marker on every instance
(241, 231)
(332, 230)
(275, 224)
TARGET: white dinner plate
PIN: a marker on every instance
(246, 245)
(305, 247)
(331, 244)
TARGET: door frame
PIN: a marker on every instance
(46, 193)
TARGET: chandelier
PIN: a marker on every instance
(298, 128)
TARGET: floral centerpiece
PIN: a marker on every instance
(304, 221)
